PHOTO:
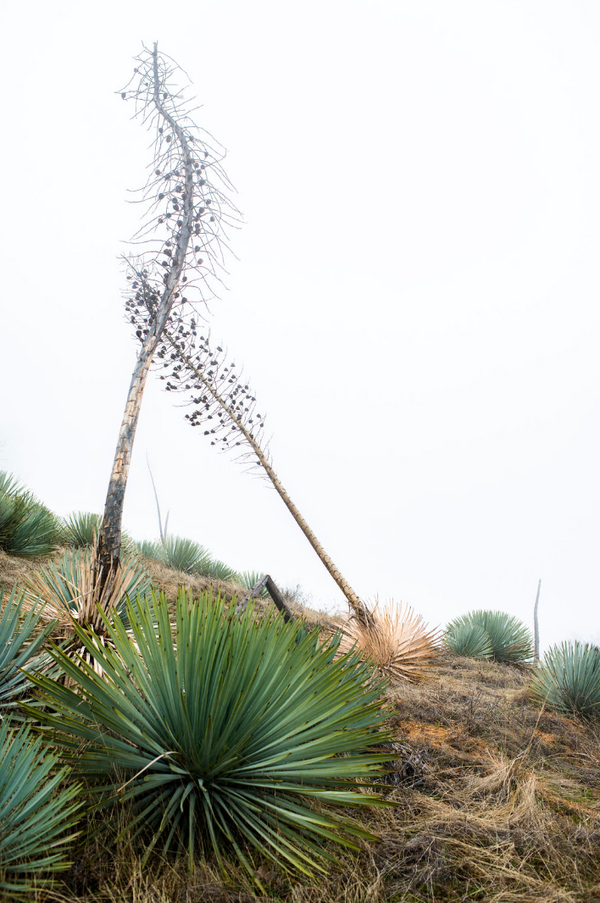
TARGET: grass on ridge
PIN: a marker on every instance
(499, 802)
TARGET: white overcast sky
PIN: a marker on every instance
(414, 299)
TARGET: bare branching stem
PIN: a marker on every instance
(536, 625)
(182, 204)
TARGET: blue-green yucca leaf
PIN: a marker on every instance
(217, 570)
(81, 528)
(463, 637)
(222, 728)
(27, 527)
(37, 814)
(68, 587)
(10, 485)
(20, 642)
(511, 641)
(183, 554)
(568, 679)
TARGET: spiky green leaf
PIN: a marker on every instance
(568, 679)
(222, 727)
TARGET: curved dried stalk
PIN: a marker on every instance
(227, 400)
(398, 641)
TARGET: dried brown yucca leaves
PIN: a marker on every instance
(399, 642)
(72, 593)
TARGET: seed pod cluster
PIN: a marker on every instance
(223, 404)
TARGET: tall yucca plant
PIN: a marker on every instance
(225, 734)
(398, 641)
(568, 679)
(186, 221)
(37, 813)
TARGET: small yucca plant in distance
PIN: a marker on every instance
(81, 528)
(222, 732)
(468, 640)
(568, 679)
(188, 556)
(217, 570)
(38, 812)
(149, 548)
(398, 642)
(510, 640)
(183, 554)
(27, 528)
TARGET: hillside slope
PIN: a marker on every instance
(496, 799)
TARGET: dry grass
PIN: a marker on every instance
(169, 582)
(498, 801)
(15, 571)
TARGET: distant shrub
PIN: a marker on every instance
(27, 528)
(568, 679)
(490, 634)
(297, 595)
